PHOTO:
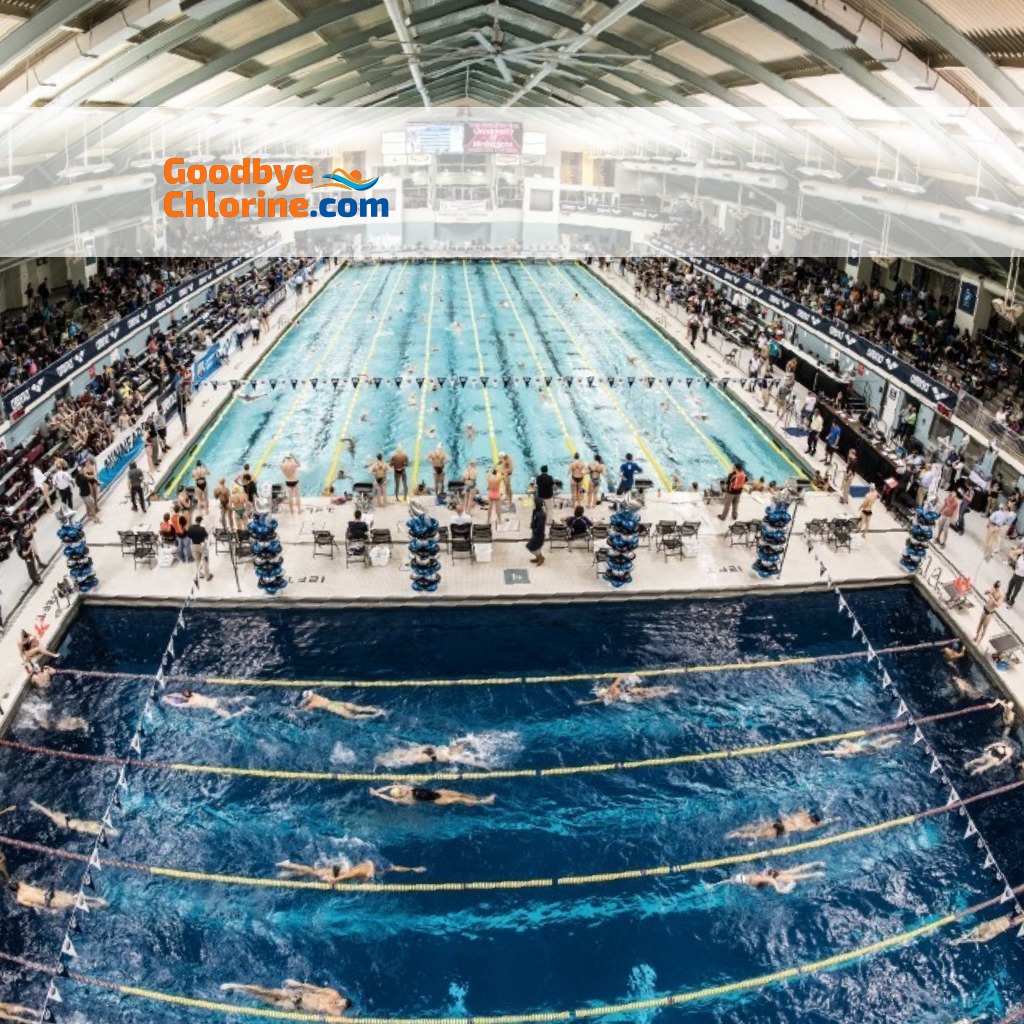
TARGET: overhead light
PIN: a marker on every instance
(720, 161)
(144, 162)
(763, 165)
(814, 171)
(910, 188)
(73, 171)
(980, 203)
(8, 181)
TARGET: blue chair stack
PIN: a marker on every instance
(266, 552)
(921, 532)
(623, 538)
(423, 550)
(76, 551)
(771, 542)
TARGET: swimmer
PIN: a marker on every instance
(782, 881)
(365, 418)
(350, 444)
(294, 995)
(364, 871)
(867, 745)
(51, 899)
(39, 677)
(82, 825)
(700, 415)
(412, 401)
(1006, 714)
(19, 1014)
(190, 700)
(353, 712)
(254, 397)
(953, 651)
(632, 360)
(965, 689)
(66, 723)
(994, 755)
(628, 689)
(470, 432)
(799, 821)
(457, 751)
(402, 794)
(988, 930)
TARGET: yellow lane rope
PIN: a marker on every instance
(480, 366)
(637, 436)
(426, 377)
(636, 1006)
(415, 778)
(230, 403)
(370, 349)
(577, 677)
(644, 371)
(797, 468)
(301, 399)
(570, 443)
(657, 871)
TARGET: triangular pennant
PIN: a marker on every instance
(234, 385)
(590, 382)
(462, 381)
(170, 647)
(314, 381)
(707, 382)
(453, 381)
(87, 881)
(936, 766)
(295, 383)
(334, 383)
(419, 381)
(252, 385)
(135, 744)
(902, 709)
(106, 818)
(918, 736)
(68, 947)
(82, 904)
(547, 381)
(990, 861)
(872, 654)
(1007, 895)
(886, 680)
(954, 796)
(971, 830)
(856, 629)
(631, 381)
(611, 382)
(668, 381)
(506, 379)
(650, 382)
(376, 383)
(355, 382)
(526, 381)
(122, 778)
(483, 381)
(53, 995)
(273, 385)
(215, 384)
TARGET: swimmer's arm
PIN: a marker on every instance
(383, 794)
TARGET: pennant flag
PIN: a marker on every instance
(668, 381)
(398, 382)
(135, 744)
(902, 709)
(918, 736)
(650, 382)
(856, 629)
(355, 382)
(334, 383)
(821, 569)
(954, 796)
(886, 680)
(106, 818)
(115, 800)
(68, 947)
(170, 647)
(1007, 895)
(419, 381)
(273, 385)
(234, 385)
(53, 995)
(631, 381)
(707, 382)
(590, 382)
(872, 654)
(989, 860)
(82, 904)
(506, 380)
(971, 830)
(439, 382)
(87, 881)
(314, 381)
(936, 766)
(526, 381)
(295, 384)
(483, 381)
(252, 385)
(689, 381)
(122, 780)
(611, 382)
(215, 384)
(843, 606)
(376, 383)
(462, 381)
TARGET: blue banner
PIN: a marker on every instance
(112, 462)
(205, 365)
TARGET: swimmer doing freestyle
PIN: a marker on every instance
(354, 712)
(81, 825)
(37, 898)
(408, 795)
(628, 689)
(799, 821)
(865, 745)
(988, 930)
(364, 871)
(191, 700)
(458, 751)
(295, 995)
(782, 881)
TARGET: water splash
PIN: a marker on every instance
(457, 993)
(643, 982)
(340, 754)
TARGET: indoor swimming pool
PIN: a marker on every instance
(521, 327)
(546, 900)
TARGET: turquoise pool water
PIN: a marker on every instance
(454, 319)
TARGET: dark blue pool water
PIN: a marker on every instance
(519, 951)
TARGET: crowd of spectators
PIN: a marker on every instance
(80, 426)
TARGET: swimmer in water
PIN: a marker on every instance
(353, 712)
(994, 755)
(84, 826)
(364, 871)
(868, 745)
(189, 699)
(799, 821)
(365, 418)
(628, 689)
(632, 360)
(295, 995)
(782, 881)
(965, 689)
(65, 723)
(51, 899)
(412, 401)
(455, 752)
(349, 443)
(253, 397)
(988, 930)
(408, 795)
(18, 1014)
(39, 677)
(470, 432)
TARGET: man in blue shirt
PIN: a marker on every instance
(832, 442)
(628, 470)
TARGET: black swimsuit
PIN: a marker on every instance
(425, 795)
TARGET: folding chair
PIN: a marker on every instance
(600, 562)
(665, 529)
(127, 541)
(689, 538)
(145, 549)
(323, 543)
(738, 533)
(459, 531)
(380, 535)
(221, 541)
(243, 544)
(599, 531)
(643, 534)
(842, 532)
(816, 528)
(460, 545)
(558, 533)
(357, 549)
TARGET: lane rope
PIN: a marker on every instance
(492, 433)
(631, 874)
(415, 778)
(428, 336)
(578, 677)
(635, 1006)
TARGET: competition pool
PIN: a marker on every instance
(534, 324)
(548, 900)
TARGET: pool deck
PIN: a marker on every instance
(717, 568)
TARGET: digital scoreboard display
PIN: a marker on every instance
(434, 136)
(493, 137)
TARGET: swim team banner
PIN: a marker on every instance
(874, 355)
(55, 373)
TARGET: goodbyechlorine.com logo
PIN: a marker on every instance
(179, 203)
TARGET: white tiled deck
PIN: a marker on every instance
(717, 568)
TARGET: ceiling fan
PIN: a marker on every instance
(489, 45)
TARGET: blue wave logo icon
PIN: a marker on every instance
(347, 179)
